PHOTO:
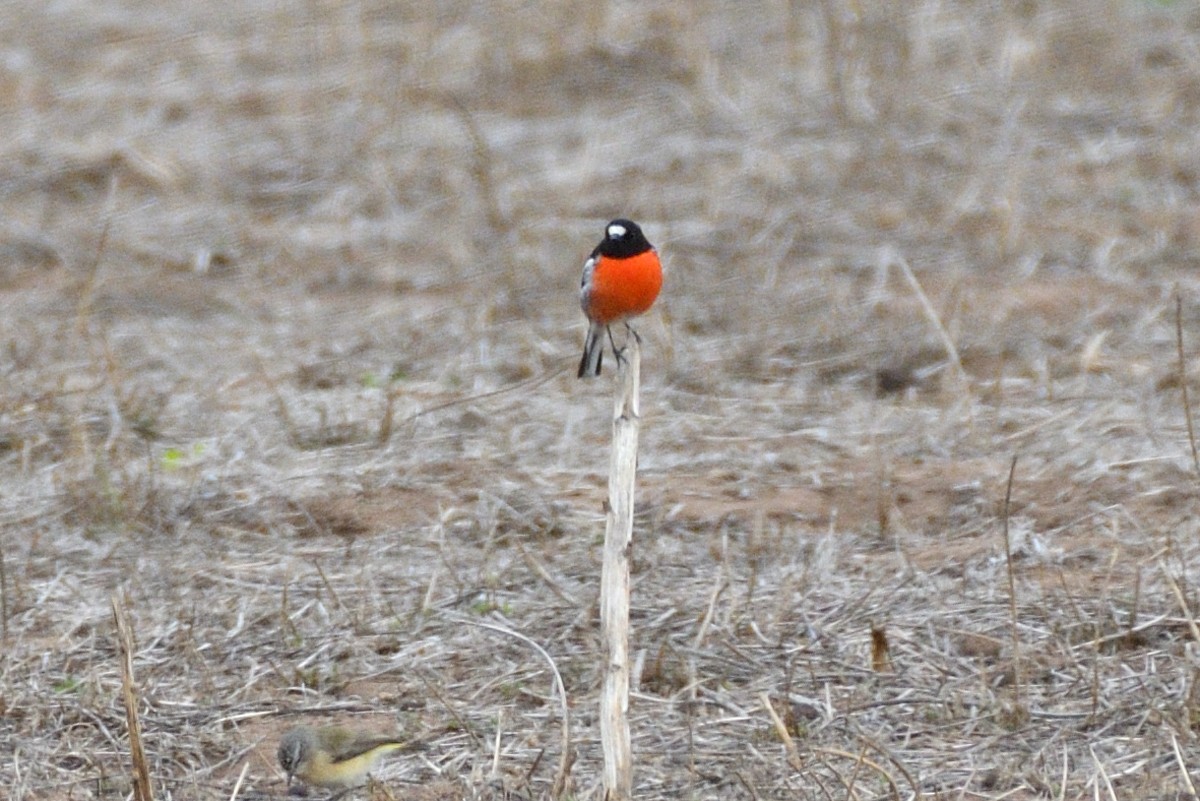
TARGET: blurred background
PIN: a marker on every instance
(288, 329)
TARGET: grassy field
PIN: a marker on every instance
(288, 330)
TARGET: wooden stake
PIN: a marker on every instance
(614, 582)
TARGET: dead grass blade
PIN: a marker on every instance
(496, 743)
(91, 272)
(719, 587)
(459, 720)
(566, 758)
(1018, 709)
(141, 779)
(237, 787)
(781, 729)
(543, 573)
(890, 757)
(387, 425)
(1183, 768)
(1183, 604)
(1112, 794)
(860, 759)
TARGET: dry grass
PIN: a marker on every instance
(287, 323)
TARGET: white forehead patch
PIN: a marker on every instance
(616, 231)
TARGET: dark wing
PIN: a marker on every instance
(358, 746)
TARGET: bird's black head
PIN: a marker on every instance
(622, 239)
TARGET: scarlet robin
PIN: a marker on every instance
(621, 280)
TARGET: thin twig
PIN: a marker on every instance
(544, 574)
(934, 319)
(333, 594)
(892, 758)
(1112, 794)
(1183, 384)
(789, 745)
(483, 171)
(458, 719)
(737, 774)
(1187, 612)
(858, 763)
(861, 759)
(387, 425)
(1187, 778)
(3, 598)
(718, 590)
(237, 786)
(1012, 590)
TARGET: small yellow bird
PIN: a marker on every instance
(331, 756)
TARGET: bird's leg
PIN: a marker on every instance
(634, 332)
(618, 352)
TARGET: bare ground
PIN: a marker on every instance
(287, 337)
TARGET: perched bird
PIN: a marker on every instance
(621, 279)
(331, 756)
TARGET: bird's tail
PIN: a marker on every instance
(593, 352)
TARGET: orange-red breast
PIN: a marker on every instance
(621, 279)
